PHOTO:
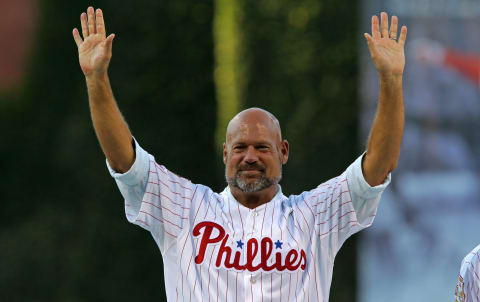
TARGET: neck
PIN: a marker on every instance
(254, 199)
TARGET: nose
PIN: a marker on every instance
(251, 155)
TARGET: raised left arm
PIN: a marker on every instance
(385, 138)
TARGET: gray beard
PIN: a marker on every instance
(255, 186)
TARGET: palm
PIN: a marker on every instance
(95, 51)
(387, 54)
(92, 53)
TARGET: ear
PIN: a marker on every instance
(284, 149)
(224, 153)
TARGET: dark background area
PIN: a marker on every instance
(63, 232)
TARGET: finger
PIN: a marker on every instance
(393, 28)
(403, 35)
(384, 25)
(109, 42)
(370, 45)
(91, 20)
(100, 22)
(83, 21)
(76, 37)
(375, 28)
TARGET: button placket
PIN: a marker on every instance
(254, 228)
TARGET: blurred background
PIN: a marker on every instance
(180, 70)
(429, 218)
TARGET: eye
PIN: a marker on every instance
(239, 148)
(263, 147)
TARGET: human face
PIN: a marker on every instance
(254, 153)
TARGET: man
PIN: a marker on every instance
(249, 242)
(468, 285)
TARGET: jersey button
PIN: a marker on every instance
(255, 214)
(253, 280)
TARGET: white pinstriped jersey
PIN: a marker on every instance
(215, 249)
(468, 285)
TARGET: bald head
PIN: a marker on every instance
(254, 153)
(254, 119)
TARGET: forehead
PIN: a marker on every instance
(252, 127)
(250, 131)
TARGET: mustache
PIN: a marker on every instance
(255, 166)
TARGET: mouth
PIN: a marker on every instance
(251, 172)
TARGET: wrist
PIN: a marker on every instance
(390, 84)
(96, 77)
(391, 77)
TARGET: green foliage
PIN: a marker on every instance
(63, 235)
(229, 68)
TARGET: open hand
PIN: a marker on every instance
(95, 50)
(387, 53)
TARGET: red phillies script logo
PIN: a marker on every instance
(293, 259)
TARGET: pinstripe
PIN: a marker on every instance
(170, 205)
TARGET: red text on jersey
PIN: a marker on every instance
(293, 259)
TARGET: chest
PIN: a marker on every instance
(267, 239)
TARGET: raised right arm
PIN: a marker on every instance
(95, 52)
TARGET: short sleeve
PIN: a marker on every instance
(365, 198)
(132, 184)
(155, 198)
(343, 206)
